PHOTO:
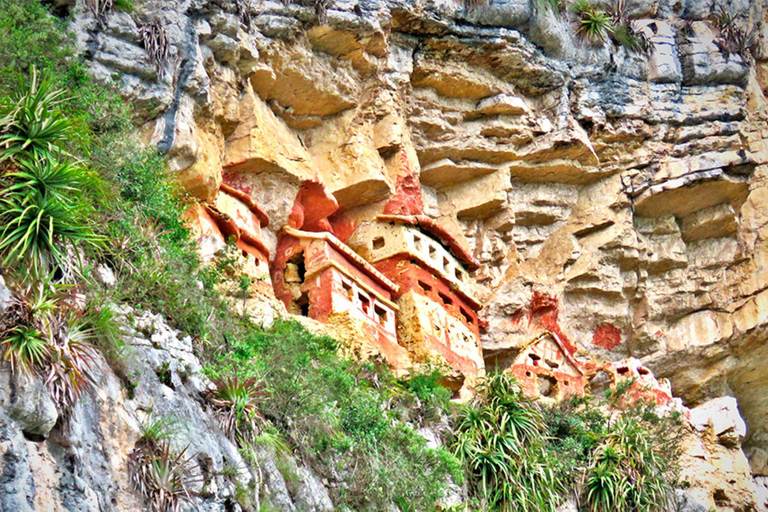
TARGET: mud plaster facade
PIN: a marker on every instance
(316, 275)
(438, 319)
(546, 369)
(644, 386)
(232, 216)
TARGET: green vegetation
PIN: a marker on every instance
(734, 37)
(500, 439)
(556, 6)
(521, 455)
(78, 191)
(161, 474)
(593, 23)
(235, 403)
(342, 415)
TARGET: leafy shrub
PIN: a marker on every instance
(340, 416)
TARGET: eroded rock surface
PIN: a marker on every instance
(613, 198)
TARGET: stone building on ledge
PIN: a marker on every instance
(438, 318)
(642, 385)
(232, 216)
(315, 275)
(545, 368)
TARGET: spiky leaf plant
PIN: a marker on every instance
(235, 403)
(72, 365)
(623, 31)
(164, 477)
(51, 176)
(32, 119)
(593, 23)
(154, 38)
(556, 6)
(44, 199)
(25, 349)
(499, 438)
(36, 229)
(630, 471)
(734, 38)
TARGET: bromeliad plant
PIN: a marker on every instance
(499, 438)
(235, 403)
(593, 23)
(734, 39)
(32, 120)
(630, 470)
(165, 477)
(45, 196)
(42, 333)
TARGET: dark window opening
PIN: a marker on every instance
(424, 286)
(547, 385)
(378, 242)
(553, 364)
(381, 314)
(297, 260)
(622, 370)
(458, 274)
(527, 374)
(303, 304)
(643, 371)
(446, 299)
(432, 251)
(348, 290)
(365, 303)
(446, 263)
(466, 316)
(534, 359)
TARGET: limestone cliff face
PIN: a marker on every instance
(615, 198)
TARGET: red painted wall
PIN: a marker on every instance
(407, 273)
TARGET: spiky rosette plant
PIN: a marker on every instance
(235, 403)
(42, 332)
(45, 197)
(163, 476)
(593, 23)
(630, 470)
(71, 370)
(623, 31)
(499, 438)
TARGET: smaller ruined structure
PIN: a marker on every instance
(545, 368)
(316, 275)
(233, 216)
(438, 319)
(644, 386)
